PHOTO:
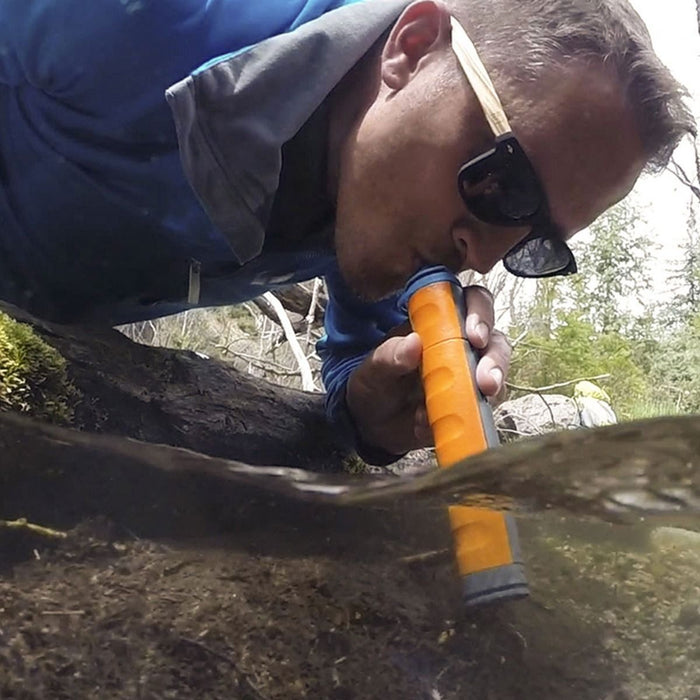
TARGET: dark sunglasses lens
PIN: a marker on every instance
(500, 187)
(540, 257)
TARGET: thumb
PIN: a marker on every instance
(398, 356)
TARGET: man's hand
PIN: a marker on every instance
(385, 395)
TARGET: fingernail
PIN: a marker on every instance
(497, 376)
(482, 330)
(400, 353)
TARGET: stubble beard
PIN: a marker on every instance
(361, 272)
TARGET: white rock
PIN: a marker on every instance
(675, 538)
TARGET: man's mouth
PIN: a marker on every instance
(452, 260)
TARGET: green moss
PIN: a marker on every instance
(33, 377)
(353, 464)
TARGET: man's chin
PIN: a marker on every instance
(370, 287)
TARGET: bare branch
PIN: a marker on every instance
(307, 379)
(539, 389)
(22, 524)
(297, 298)
(520, 337)
(263, 304)
(311, 313)
(683, 178)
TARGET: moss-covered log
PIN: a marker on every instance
(179, 398)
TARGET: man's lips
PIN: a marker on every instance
(453, 261)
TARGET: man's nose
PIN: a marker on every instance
(481, 246)
(463, 238)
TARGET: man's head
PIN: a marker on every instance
(586, 98)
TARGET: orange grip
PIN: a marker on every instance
(457, 413)
(451, 397)
(481, 539)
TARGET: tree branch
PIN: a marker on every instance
(539, 389)
(683, 178)
(307, 379)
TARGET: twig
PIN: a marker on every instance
(537, 389)
(268, 365)
(549, 409)
(307, 379)
(311, 314)
(515, 342)
(682, 177)
(425, 557)
(22, 524)
(63, 612)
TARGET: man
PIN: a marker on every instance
(311, 137)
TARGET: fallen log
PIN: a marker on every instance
(178, 398)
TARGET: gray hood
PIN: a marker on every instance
(233, 116)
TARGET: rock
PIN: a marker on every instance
(535, 414)
(689, 615)
(414, 463)
(675, 538)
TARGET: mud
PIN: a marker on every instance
(289, 600)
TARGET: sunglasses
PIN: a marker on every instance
(501, 187)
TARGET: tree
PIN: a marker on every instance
(675, 371)
(614, 264)
(594, 323)
(576, 349)
(686, 278)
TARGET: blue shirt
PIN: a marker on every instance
(98, 218)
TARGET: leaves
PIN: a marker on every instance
(602, 322)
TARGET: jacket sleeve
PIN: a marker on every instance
(101, 56)
(353, 329)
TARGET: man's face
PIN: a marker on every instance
(398, 205)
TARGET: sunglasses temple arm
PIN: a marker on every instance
(479, 79)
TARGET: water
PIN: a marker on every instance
(610, 530)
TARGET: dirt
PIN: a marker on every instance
(183, 585)
(286, 600)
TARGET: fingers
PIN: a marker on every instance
(480, 315)
(383, 392)
(421, 428)
(492, 368)
(396, 357)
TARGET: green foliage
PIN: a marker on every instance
(243, 318)
(601, 322)
(675, 370)
(614, 270)
(576, 349)
(33, 376)
(685, 280)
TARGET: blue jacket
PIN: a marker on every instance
(108, 192)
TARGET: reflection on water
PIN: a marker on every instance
(636, 469)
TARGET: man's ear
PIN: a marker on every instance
(422, 28)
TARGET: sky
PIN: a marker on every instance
(662, 199)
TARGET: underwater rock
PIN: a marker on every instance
(689, 615)
(675, 538)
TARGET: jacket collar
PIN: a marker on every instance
(234, 114)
